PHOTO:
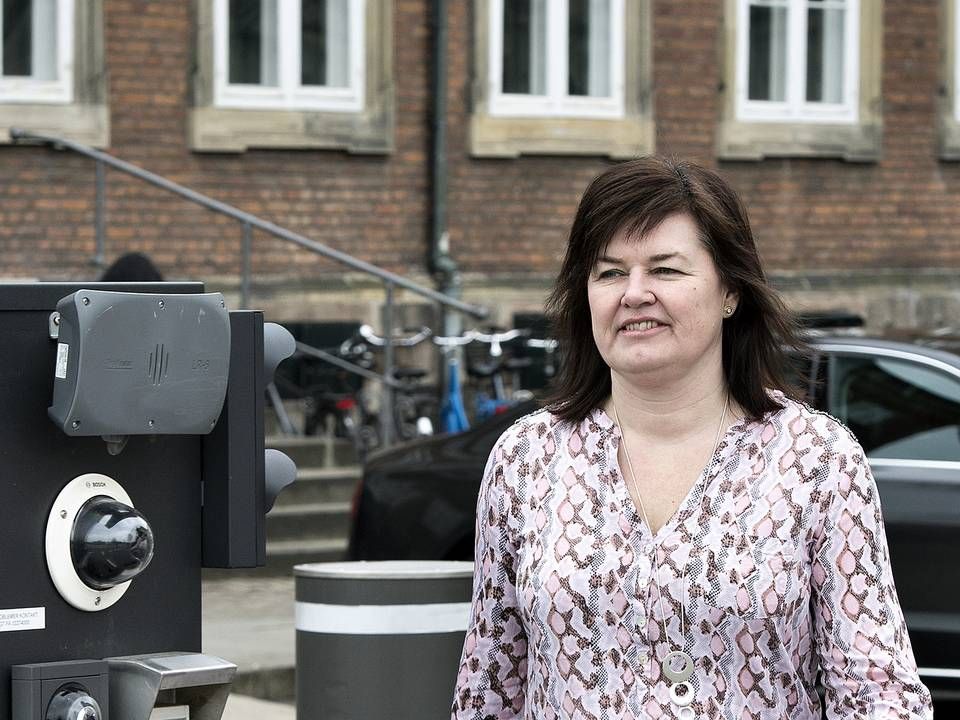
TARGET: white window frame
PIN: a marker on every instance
(556, 102)
(26, 89)
(796, 108)
(953, 40)
(289, 93)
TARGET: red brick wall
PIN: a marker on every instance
(505, 216)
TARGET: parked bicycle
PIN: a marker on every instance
(492, 369)
(453, 413)
(414, 401)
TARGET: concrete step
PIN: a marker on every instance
(314, 451)
(309, 520)
(295, 409)
(321, 485)
(282, 555)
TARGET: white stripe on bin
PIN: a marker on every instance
(382, 619)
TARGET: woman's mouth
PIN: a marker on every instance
(644, 326)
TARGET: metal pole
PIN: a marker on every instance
(439, 260)
(386, 394)
(100, 215)
(245, 271)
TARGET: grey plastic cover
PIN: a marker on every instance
(140, 364)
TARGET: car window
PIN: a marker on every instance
(801, 369)
(897, 408)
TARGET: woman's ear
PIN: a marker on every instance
(731, 299)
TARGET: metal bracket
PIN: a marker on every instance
(201, 682)
(53, 325)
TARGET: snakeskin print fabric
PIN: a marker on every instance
(777, 557)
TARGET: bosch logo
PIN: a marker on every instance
(201, 364)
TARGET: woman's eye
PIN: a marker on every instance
(610, 273)
(665, 271)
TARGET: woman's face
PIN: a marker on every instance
(657, 303)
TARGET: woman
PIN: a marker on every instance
(677, 535)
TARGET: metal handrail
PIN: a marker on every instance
(477, 311)
(249, 221)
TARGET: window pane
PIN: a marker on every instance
(253, 42)
(898, 409)
(524, 46)
(325, 43)
(589, 48)
(767, 68)
(44, 54)
(17, 37)
(825, 34)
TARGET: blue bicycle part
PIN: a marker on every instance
(453, 416)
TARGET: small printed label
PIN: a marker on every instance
(23, 619)
(63, 352)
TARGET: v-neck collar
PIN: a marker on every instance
(731, 438)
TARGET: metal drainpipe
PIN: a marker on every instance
(439, 262)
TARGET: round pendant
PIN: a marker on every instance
(686, 713)
(677, 666)
(681, 694)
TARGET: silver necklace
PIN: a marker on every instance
(677, 666)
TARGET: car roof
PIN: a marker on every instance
(883, 346)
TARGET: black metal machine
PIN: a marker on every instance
(131, 455)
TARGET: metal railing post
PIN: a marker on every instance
(245, 269)
(386, 393)
(100, 215)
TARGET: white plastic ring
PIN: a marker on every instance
(59, 526)
(686, 666)
(684, 698)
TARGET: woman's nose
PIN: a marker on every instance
(637, 291)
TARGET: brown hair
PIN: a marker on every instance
(636, 197)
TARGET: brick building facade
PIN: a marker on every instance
(875, 231)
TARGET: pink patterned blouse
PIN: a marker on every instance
(777, 558)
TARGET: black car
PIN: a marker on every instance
(901, 400)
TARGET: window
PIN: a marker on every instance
(585, 78)
(798, 60)
(949, 110)
(802, 78)
(897, 408)
(36, 46)
(562, 76)
(319, 65)
(52, 77)
(293, 73)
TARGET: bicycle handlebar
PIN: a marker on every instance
(545, 343)
(367, 333)
(454, 340)
(494, 340)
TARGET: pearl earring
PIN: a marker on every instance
(728, 311)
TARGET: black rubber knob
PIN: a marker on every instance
(110, 543)
(73, 702)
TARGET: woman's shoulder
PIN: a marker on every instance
(533, 426)
(543, 428)
(799, 421)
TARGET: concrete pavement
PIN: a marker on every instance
(248, 620)
(241, 707)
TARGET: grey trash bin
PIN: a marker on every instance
(379, 639)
